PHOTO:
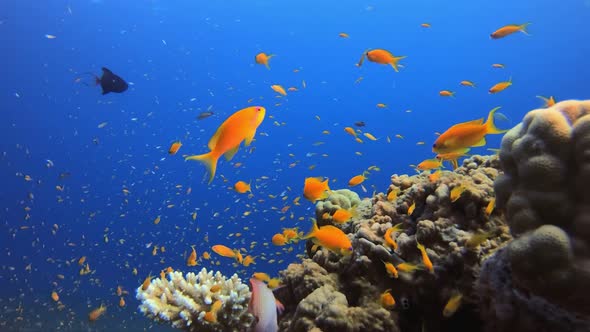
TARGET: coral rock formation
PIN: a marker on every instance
(537, 281)
(330, 292)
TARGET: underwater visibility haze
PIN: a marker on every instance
(343, 165)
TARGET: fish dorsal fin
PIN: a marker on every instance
(250, 137)
(215, 138)
(231, 153)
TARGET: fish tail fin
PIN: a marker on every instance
(523, 29)
(209, 160)
(314, 228)
(419, 245)
(490, 125)
(395, 60)
(266, 65)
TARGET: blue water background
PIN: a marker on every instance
(174, 51)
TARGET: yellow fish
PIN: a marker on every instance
(240, 126)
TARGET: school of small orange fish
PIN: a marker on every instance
(241, 127)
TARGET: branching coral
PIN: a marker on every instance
(183, 302)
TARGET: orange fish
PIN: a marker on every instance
(497, 65)
(358, 179)
(490, 207)
(452, 305)
(330, 237)
(96, 313)
(343, 35)
(548, 101)
(192, 258)
(54, 296)
(350, 131)
(435, 176)
(262, 59)
(82, 260)
(391, 270)
(390, 233)
(242, 187)
(498, 87)
(146, 282)
(467, 83)
(425, 258)
(248, 260)
(429, 164)
(446, 93)
(408, 267)
(387, 300)
(211, 316)
(453, 157)
(278, 239)
(508, 30)
(381, 56)
(223, 251)
(121, 302)
(466, 134)
(240, 126)
(342, 215)
(411, 208)
(425, 25)
(315, 189)
(279, 89)
(174, 148)
(261, 276)
(457, 191)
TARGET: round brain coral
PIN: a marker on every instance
(544, 193)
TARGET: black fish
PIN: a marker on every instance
(109, 82)
(204, 115)
(359, 124)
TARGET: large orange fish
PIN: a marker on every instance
(240, 126)
(508, 30)
(331, 238)
(315, 189)
(466, 134)
(382, 57)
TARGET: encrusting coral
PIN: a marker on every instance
(539, 281)
(184, 301)
(332, 292)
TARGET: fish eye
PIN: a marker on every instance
(434, 145)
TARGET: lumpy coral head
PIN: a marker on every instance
(545, 162)
(263, 307)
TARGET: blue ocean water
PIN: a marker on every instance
(186, 57)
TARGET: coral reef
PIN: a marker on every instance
(535, 282)
(331, 292)
(338, 199)
(184, 301)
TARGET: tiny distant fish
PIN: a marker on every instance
(360, 124)
(102, 125)
(204, 115)
(50, 36)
